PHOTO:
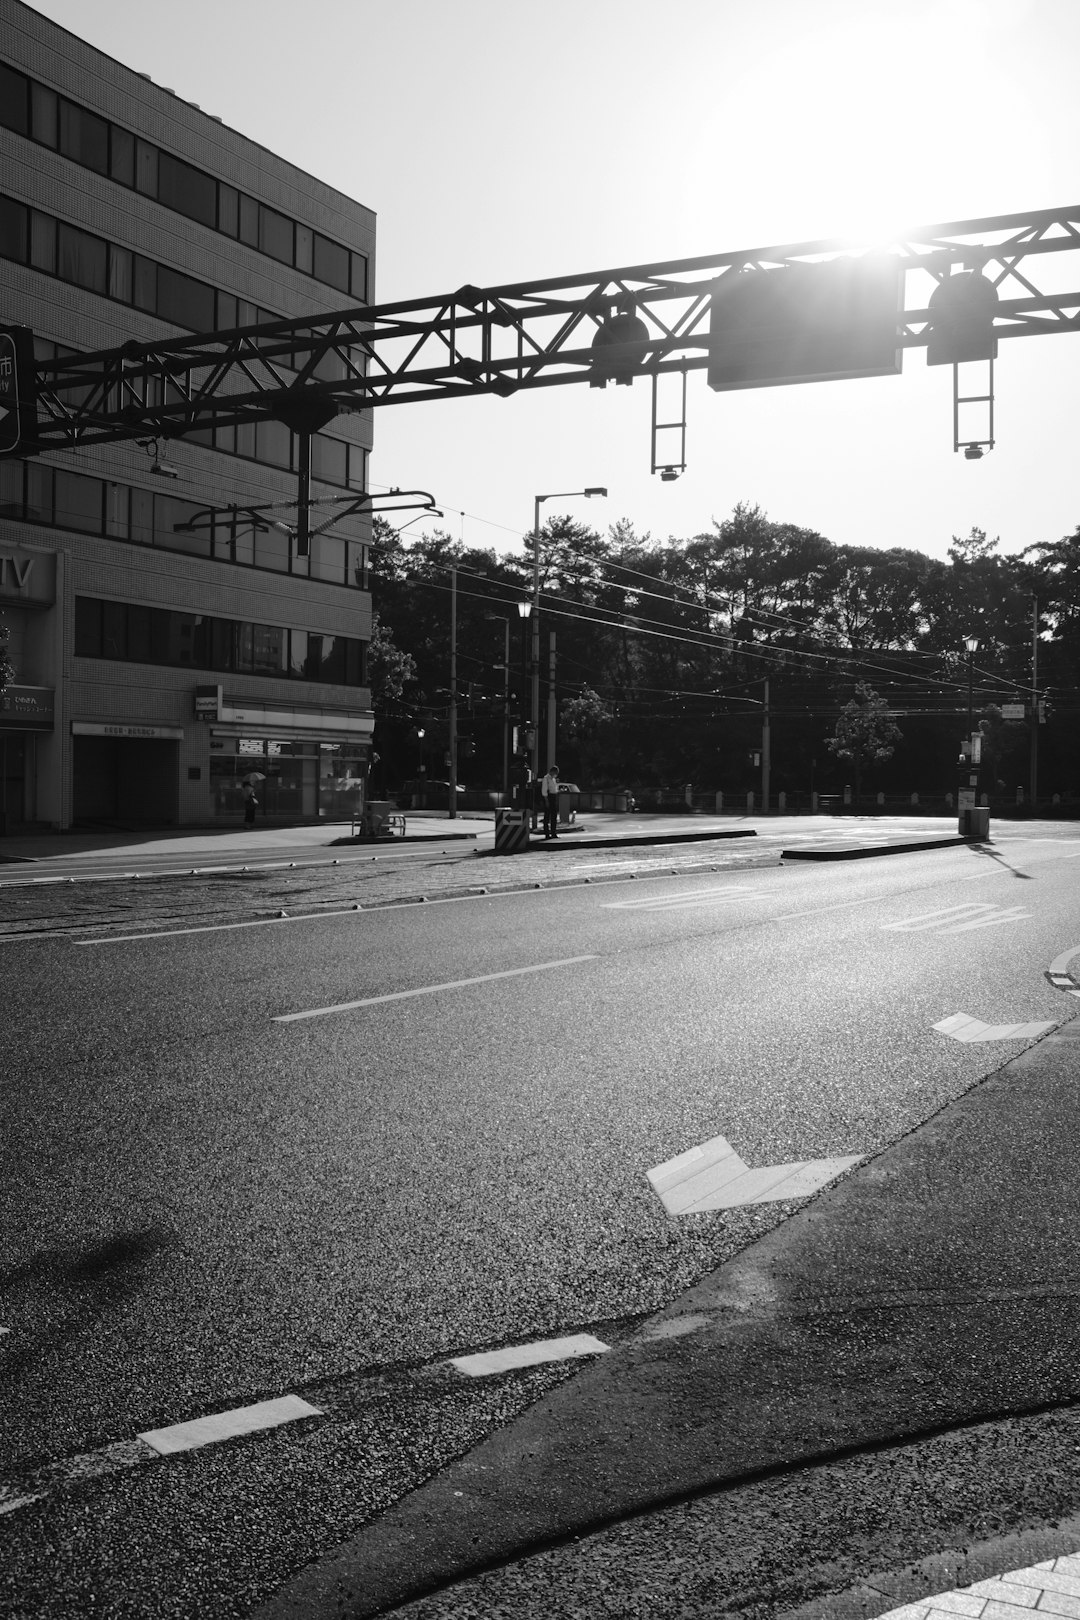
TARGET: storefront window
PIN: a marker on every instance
(295, 780)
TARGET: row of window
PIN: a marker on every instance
(57, 248)
(34, 110)
(33, 492)
(144, 635)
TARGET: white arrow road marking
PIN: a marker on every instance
(528, 1355)
(713, 1176)
(962, 1027)
(430, 989)
(975, 915)
(675, 902)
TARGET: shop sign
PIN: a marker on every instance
(93, 728)
(207, 702)
(27, 576)
(27, 706)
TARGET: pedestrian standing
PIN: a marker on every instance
(549, 792)
(250, 802)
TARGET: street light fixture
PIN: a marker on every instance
(972, 645)
(534, 707)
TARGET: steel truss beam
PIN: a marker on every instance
(525, 335)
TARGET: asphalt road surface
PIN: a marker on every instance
(249, 1156)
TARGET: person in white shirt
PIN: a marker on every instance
(549, 791)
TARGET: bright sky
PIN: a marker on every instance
(503, 143)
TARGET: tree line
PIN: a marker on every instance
(663, 649)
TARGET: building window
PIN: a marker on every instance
(14, 230)
(43, 110)
(84, 137)
(187, 190)
(331, 263)
(134, 633)
(82, 259)
(14, 100)
(275, 235)
(184, 301)
(78, 501)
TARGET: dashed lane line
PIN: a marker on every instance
(34, 1484)
(528, 1355)
(430, 989)
(217, 1426)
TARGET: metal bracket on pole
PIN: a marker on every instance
(973, 447)
(669, 467)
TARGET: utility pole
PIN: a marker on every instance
(551, 701)
(1034, 698)
(453, 694)
(765, 760)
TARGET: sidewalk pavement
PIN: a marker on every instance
(840, 838)
(877, 1402)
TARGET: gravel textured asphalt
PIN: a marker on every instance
(256, 1510)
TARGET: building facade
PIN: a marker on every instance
(166, 647)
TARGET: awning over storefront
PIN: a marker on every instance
(314, 725)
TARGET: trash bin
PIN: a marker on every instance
(975, 821)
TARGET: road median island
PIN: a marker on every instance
(880, 1379)
(858, 852)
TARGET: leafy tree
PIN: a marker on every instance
(7, 668)
(865, 733)
(389, 668)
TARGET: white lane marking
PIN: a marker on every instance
(430, 989)
(1060, 963)
(214, 928)
(1006, 915)
(528, 1355)
(958, 919)
(217, 1426)
(8, 1504)
(819, 911)
(713, 1176)
(962, 1027)
(676, 902)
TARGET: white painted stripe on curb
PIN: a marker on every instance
(1060, 964)
(217, 1426)
(528, 1355)
(430, 989)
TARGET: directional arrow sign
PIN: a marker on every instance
(964, 1028)
(713, 1176)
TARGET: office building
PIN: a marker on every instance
(166, 646)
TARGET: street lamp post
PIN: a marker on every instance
(972, 645)
(534, 707)
(524, 612)
(506, 701)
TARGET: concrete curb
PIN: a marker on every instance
(860, 852)
(581, 841)
(943, 1572)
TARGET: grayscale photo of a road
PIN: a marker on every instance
(539, 810)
